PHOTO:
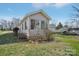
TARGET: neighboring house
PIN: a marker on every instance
(14, 23)
(3, 24)
(9, 25)
(0, 26)
(71, 31)
(74, 30)
(52, 27)
(34, 24)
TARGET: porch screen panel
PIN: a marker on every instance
(32, 23)
(25, 25)
(42, 25)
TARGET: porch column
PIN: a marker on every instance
(28, 27)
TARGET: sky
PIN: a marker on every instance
(59, 12)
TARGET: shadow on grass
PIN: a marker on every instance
(9, 38)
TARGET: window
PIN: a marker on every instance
(25, 25)
(32, 23)
(42, 24)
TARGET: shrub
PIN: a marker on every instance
(65, 32)
(22, 36)
(49, 35)
(15, 30)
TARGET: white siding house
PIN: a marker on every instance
(34, 23)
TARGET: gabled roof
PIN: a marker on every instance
(39, 11)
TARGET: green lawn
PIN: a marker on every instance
(73, 41)
(62, 45)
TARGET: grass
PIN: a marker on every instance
(32, 49)
(62, 46)
(7, 37)
(1, 32)
(73, 41)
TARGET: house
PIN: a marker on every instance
(34, 24)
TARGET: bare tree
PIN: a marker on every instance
(75, 19)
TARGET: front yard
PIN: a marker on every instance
(62, 45)
(72, 40)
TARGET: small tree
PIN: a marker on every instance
(59, 26)
(15, 30)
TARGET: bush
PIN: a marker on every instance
(49, 35)
(15, 30)
(65, 32)
(2, 29)
(22, 36)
